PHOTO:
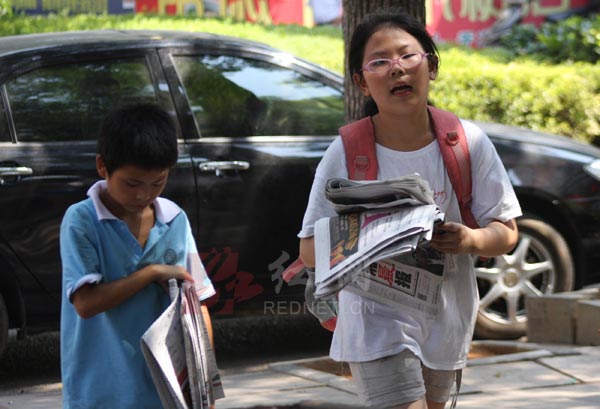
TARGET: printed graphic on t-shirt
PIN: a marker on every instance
(439, 197)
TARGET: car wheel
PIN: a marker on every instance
(3, 325)
(541, 263)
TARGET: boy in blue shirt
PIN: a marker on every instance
(119, 248)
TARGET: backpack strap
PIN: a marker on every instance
(359, 145)
(455, 152)
(361, 159)
(293, 270)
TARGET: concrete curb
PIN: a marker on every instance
(527, 352)
(296, 368)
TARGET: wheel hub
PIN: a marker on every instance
(511, 278)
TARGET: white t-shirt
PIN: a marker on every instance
(368, 330)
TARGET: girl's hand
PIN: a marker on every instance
(452, 238)
(490, 241)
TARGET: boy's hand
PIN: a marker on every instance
(452, 238)
(164, 272)
(92, 299)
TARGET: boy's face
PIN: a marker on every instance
(130, 189)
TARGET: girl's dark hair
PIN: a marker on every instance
(142, 135)
(387, 19)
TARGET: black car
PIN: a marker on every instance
(253, 123)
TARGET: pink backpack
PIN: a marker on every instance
(359, 145)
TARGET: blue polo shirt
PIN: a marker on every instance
(101, 360)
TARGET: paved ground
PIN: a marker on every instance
(540, 376)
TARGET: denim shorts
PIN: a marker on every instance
(400, 379)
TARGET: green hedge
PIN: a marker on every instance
(484, 85)
(5, 8)
(574, 39)
(563, 99)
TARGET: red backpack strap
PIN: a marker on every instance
(359, 146)
(455, 152)
(293, 270)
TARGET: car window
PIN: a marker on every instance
(233, 96)
(68, 102)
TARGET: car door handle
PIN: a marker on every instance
(15, 171)
(10, 175)
(219, 166)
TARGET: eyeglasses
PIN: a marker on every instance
(383, 65)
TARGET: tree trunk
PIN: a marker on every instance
(354, 11)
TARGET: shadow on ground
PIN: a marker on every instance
(239, 342)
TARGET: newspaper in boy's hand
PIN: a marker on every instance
(161, 346)
(179, 354)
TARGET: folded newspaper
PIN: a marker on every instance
(377, 244)
(179, 354)
(351, 195)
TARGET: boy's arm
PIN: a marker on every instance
(493, 240)
(209, 330)
(208, 323)
(92, 299)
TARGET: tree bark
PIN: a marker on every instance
(354, 11)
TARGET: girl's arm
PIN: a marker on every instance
(92, 299)
(493, 240)
(307, 251)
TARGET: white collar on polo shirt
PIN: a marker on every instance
(164, 209)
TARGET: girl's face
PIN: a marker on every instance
(397, 91)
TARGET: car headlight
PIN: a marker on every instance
(593, 168)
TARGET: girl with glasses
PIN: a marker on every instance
(401, 357)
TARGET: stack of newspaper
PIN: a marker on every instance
(178, 352)
(377, 244)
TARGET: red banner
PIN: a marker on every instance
(256, 11)
(456, 21)
(461, 21)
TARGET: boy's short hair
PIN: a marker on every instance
(141, 135)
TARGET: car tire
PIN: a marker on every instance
(3, 325)
(541, 263)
